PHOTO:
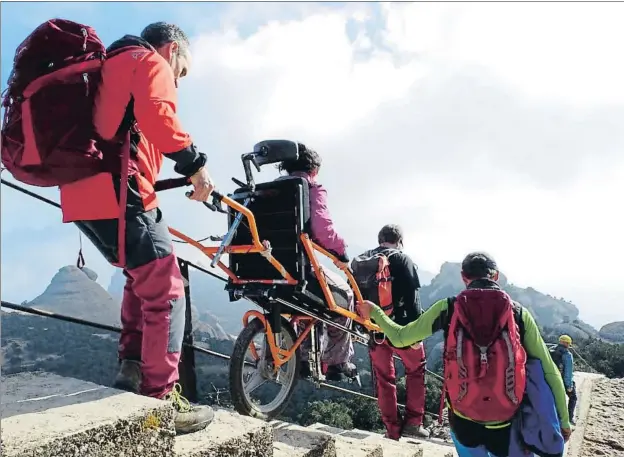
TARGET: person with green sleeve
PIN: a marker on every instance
(488, 339)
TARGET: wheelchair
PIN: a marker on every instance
(274, 263)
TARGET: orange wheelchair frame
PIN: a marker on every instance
(281, 356)
(273, 151)
(254, 322)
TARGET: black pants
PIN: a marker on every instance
(471, 434)
(147, 237)
(572, 401)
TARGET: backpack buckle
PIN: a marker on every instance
(134, 128)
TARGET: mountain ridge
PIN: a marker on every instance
(76, 292)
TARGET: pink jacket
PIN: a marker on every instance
(321, 224)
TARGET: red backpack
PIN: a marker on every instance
(372, 275)
(484, 360)
(48, 137)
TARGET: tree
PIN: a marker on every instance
(364, 413)
(328, 413)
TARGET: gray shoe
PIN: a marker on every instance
(188, 418)
(129, 376)
(415, 431)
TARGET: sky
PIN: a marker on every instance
(475, 126)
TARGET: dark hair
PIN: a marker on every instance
(160, 33)
(390, 233)
(308, 161)
(478, 265)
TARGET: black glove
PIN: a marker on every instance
(188, 160)
(343, 258)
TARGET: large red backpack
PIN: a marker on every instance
(48, 137)
(484, 360)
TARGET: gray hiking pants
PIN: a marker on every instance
(336, 345)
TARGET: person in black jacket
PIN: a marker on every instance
(405, 309)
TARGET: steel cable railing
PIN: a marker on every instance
(43, 313)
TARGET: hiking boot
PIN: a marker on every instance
(388, 437)
(129, 376)
(188, 418)
(304, 370)
(335, 372)
(415, 431)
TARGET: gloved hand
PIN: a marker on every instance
(343, 258)
(340, 259)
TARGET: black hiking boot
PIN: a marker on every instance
(304, 370)
(129, 376)
(336, 372)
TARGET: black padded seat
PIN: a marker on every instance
(282, 212)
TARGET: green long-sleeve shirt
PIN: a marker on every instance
(436, 317)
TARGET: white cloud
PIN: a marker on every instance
(476, 126)
(568, 51)
(309, 71)
(487, 126)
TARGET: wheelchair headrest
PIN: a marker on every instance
(273, 151)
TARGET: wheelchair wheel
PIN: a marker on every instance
(255, 388)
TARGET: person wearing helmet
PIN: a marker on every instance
(565, 362)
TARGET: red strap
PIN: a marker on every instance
(123, 201)
(442, 401)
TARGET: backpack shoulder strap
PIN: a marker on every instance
(517, 312)
(451, 305)
(390, 252)
(445, 320)
(445, 317)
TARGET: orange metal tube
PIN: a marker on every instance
(318, 271)
(267, 329)
(253, 228)
(310, 247)
(341, 266)
(280, 356)
(207, 250)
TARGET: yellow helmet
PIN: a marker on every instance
(566, 339)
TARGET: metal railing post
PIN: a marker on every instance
(186, 368)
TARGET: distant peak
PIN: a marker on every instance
(74, 270)
(92, 275)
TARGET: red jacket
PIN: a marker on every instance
(142, 75)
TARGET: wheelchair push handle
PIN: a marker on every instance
(216, 201)
(171, 183)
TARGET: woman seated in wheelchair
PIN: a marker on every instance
(338, 346)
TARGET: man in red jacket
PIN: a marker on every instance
(139, 84)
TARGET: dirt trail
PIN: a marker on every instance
(604, 427)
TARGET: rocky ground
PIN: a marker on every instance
(604, 429)
(440, 431)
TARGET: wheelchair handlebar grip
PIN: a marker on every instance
(171, 183)
(214, 195)
(216, 201)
